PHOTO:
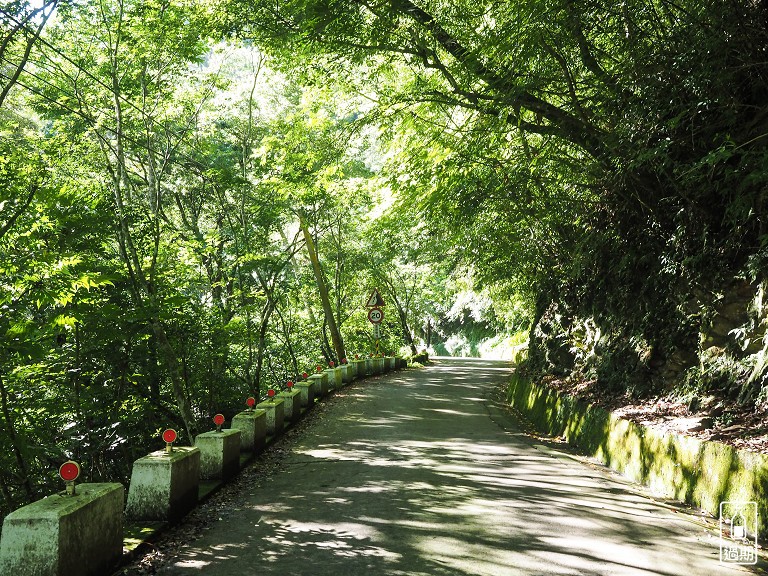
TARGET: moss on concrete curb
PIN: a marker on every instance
(694, 471)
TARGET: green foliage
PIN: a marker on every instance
(606, 157)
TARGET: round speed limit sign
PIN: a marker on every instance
(376, 315)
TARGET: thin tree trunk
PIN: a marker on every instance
(5, 491)
(177, 378)
(11, 430)
(140, 285)
(289, 345)
(28, 48)
(263, 327)
(330, 318)
(407, 336)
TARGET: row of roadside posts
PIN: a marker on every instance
(62, 534)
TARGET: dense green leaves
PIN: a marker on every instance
(605, 158)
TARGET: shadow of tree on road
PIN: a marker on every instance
(412, 478)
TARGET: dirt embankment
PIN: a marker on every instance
(707, 418)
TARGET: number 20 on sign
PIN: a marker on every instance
(375, 315)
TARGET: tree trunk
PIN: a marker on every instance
(177, 379)
(288, 343)
(13, 437)
(269, 307)
(7, 498)
(338, 343)
(403, 316)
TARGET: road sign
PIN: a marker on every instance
(375, 315)
(377, 331)
(374, 299)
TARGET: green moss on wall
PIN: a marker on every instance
(700, 473)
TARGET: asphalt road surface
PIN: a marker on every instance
(415, 473)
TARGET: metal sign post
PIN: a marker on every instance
(377, 335)
(376, 316)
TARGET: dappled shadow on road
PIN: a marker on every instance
(427, 485)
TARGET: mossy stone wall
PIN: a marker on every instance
(698, 472)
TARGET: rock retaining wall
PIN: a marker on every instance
(697, 472)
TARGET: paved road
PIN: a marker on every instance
(413, 476)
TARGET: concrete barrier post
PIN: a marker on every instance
(338, 377)
(164, 485)
(275, 410)
(345, 373)
(378, 365)
(219, 454)
(369, 366)
(62, 535)
(253, 429)
(320, 383)
(331, 374)
(306, 393)
(389, 363)
(292, 404)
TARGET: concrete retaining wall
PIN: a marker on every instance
(687, 469)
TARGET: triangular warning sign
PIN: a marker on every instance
(375, 299)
